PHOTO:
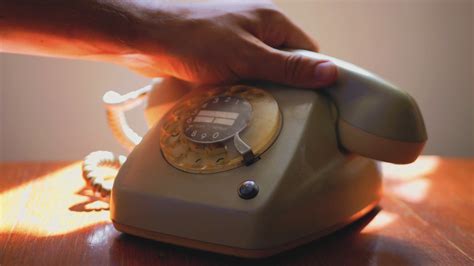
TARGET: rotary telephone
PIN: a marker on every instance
(254, 169)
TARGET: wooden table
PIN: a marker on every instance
(47, 217)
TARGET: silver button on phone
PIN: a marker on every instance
(248, 189)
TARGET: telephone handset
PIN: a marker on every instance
(254, 169)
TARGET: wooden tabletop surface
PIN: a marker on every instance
(426, 216)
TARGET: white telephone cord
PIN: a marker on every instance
(96, 163)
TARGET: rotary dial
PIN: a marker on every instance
(220, 129)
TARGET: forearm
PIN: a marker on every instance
(91, 29)
(204, 42)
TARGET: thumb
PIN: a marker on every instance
(295, 69)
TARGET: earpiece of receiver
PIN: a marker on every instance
(376, 119)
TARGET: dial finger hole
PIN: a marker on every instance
(216, 91)
(237, 89)
(198, 163)
(175, 134)
(215, 150)
(179, 151)
(169, 141)
(169, 126)
(196, 147)
(179, 111)
(178, 158)
(252, 95)
(220, 160)
(258, 94)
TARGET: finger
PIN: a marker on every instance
(293, 69)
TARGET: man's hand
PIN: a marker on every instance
(206, 42)
(224, 42)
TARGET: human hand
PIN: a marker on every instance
(221, 42)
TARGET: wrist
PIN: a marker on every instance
(153, 27)
(113, 29)
(130, 30)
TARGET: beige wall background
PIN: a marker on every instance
(50, 109)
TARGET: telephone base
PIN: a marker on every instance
(234, 251)
(307, 188)
(185, 183)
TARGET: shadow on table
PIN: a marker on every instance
(90, 202)
(347, 246)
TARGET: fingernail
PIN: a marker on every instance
(325, 72)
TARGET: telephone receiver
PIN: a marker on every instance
(375, 119)
(256, 168)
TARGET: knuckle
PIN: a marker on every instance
(293, 66)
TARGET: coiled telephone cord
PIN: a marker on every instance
(99, 168)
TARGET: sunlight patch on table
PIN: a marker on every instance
(423, 166)
(380, 221)
(42, 206)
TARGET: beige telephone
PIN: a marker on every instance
(255, 169)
